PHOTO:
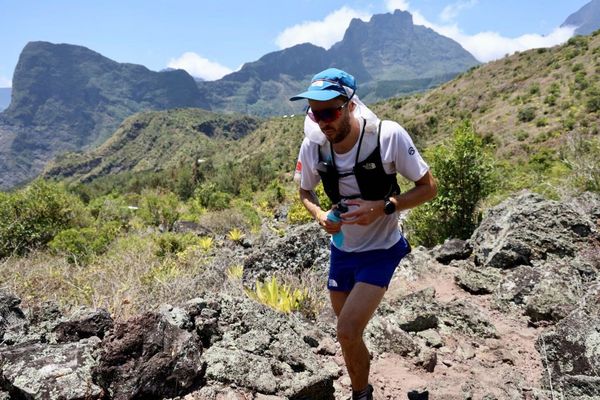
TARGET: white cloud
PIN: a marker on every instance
(393, 5)
(5, 82)
(488, 46)
(451, 11)
(199, 66)
(485, 46)
(323, 33)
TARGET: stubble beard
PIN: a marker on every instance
(342, 132)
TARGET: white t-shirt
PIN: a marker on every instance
(398, 155)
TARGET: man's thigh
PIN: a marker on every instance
(360, 305)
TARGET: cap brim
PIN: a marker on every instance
(319, 95)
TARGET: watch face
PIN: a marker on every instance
(389, 207)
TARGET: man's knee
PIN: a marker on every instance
(348, 331)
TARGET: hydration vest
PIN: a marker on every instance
(373, 182)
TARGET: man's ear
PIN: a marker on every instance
(351, 106)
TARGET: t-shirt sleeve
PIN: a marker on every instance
(399, 149)
(306, 172)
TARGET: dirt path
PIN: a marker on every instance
(467, 368)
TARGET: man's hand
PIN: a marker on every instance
(328, 225)
(367, 211)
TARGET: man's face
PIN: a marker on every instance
(338, 129)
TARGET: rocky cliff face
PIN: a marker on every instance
(586, 19)
(510, 313)
(65, 98)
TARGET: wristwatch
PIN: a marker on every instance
(389, 207)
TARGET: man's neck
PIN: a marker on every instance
(349, 141)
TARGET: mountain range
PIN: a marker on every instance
(528, 106)
(69, 98)
(389, 56)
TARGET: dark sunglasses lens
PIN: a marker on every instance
(327, 115)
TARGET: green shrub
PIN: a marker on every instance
(159, 208)
(31, 217)
(170, 243)
(522, 135)
(583, 157)
(111, 208)
(592, 103)
(464, 172)
(81, 244)
(526, 114)
(542, 160)
(211, 198)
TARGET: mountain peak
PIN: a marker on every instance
(586, 19)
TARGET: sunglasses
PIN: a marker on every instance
(326, 115)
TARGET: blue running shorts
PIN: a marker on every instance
(373, 266)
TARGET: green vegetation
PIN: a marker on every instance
(110, 233)
(80, 244)
(464, 172)
(31, 217)
(280, 297)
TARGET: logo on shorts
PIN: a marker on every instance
(333, 283)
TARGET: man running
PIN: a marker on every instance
(357, 156)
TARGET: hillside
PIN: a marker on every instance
(521, 104)
(527, 106)
(155, 141)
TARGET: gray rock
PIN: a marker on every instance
(82, 324)
(478, 280)
(452, 249)
(265, 351)
(571, 350)
(555, 296)
(415, 312)
(193, 227)
(518, 284)
(461, 316)
(46, 371)
(11, 315)
(432, 338)
(176, 316)
(148, 356)
(427, 359)
(548, 290)
(303, 247)
(528, 227)
(384, 335)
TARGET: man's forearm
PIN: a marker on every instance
(311, 202)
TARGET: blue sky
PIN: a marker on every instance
(211, 38)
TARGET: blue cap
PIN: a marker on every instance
(327, 85)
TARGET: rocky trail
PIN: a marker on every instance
(512, 313)
(508, 367)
